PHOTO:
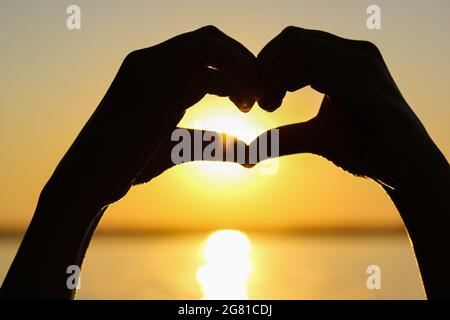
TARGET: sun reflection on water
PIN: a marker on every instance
(227, 266)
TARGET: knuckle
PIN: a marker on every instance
(368, 55)
(132, 57)
(290, 30)
(131, 60)
(370, 48)
(208, 30)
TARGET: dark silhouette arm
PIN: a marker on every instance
(122, 144)
(366, 127)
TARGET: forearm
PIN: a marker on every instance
(56, 238)
(425, 210)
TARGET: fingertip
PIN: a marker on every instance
(244, 105)
(245, 109)
(271, 97)
(270, 104)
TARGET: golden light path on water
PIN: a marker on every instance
(227, 265)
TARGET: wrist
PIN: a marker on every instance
(56, 238)
(428, 176)
(66, 201)
(425, 212)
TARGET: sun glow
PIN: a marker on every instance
(227, 265)
(219, 114)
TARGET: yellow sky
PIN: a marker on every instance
(52, 79)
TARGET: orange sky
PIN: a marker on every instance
(52, 79)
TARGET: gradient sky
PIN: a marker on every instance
(52, 79)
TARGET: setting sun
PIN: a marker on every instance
(219, 114)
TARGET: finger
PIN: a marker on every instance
(349, 44)
(306, 61)
(272, 91)
(236, 65)
(295, 138)
(181, 39)
(192, 52)
(214, 82)
(199, 145)
(302, 137)
(272, 94)
(277, 44)
(300, 57)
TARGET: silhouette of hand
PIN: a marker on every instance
(126, 141)
(364, 125)
(144, 103)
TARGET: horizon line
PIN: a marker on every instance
(360, 230)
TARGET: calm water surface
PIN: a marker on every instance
(243, 266)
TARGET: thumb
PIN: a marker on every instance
(303, 137)
(162, 157)
(294, 138)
